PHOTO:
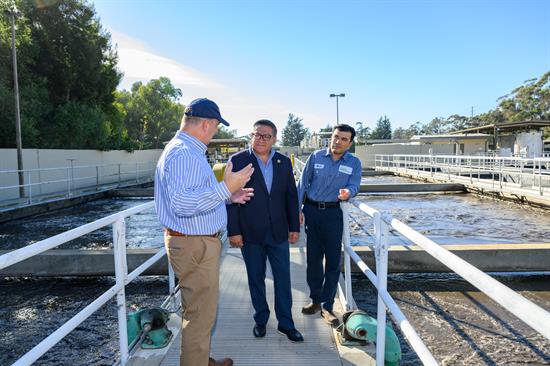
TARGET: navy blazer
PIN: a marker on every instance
(278, 209)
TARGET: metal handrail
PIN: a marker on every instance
(121, 274)
(527, 311)
(117, 173)
(526, 173)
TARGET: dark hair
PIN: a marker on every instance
(266, 122)
(345, 128)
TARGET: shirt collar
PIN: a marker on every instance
(344, 157)
(271, 153)
(192, 140)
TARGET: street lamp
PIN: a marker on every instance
(341, 95)
(12, 13)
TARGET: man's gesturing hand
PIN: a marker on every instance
(236, 180)
(242, 195)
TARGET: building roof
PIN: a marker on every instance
(449, 137)
(227, 142)
(510, 126)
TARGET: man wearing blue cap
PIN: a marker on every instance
(190, 204)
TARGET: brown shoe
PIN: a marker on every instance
(311, 309)
(330, 318)
(222, 362)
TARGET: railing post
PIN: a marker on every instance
(171, 285)
(68, 183)
(540, 177)
(97, 177)
(346, 238)
(30, 186)
(121, 273)
(119, 174)
(381, 252)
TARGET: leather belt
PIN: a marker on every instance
(322, 205)
(171, 232)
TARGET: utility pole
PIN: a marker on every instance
(12, 14)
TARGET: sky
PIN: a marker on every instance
(408, 60)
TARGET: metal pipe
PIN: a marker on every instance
(121, 273)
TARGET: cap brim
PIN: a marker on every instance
(223, 121)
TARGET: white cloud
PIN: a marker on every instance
(139, 62)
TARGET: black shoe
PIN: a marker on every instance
(311, 308)
(291, 334)
(259, 331)
(330, 317)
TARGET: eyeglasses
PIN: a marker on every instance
(259, 136)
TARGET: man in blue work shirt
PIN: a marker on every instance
(330, 175)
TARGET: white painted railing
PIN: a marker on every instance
(121, 274)
(527, 173)
(65, 181)
(533, 315)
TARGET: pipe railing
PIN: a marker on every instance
(118, 290)
(528, 173)
(65, 180)
(530, 313)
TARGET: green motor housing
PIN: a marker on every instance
(152, 324)
(359, 326)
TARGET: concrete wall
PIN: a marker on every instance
(366, 153)
(140, 162)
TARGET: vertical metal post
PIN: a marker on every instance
(521, 173)
(12, 13)
(540, 177)
(30, 186)
(347, 262)
(119, 174)
(501, 167)
(97, 177)
(121, 274)
(68, 182)
(172, 286)
(381, 252)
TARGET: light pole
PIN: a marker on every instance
(12, 14)
(341, 95)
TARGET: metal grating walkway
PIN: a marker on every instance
(233, 331)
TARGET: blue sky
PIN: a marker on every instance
(409, 60)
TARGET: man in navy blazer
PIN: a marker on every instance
(264, 227)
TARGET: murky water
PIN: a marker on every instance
(458, 324)
(459, 218)
(32, 309)
(142, 230)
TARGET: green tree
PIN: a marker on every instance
(225, 133)
(382, 129)
(152, 112)
(362, 133)
(294, 131)
(66, 65)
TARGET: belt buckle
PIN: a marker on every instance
(322, 206)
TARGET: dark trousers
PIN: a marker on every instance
(324, 241)
(255, 255)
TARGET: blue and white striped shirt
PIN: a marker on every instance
(188, 199)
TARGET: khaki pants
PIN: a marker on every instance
(196, 262)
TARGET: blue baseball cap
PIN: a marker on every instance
(204, 108)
